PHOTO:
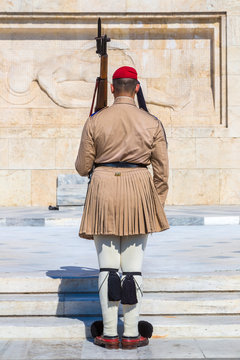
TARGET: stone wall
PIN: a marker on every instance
(187, 54)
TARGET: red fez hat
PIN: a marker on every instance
(125, 72)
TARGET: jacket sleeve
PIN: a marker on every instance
(86, 152)
(160, 165)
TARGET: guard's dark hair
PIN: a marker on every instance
(124, 85)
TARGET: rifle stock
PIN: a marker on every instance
(102, 86)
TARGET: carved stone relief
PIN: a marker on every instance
(178, 63)
(63, 79)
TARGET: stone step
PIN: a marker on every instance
(178, 326)
(88, 304)
(41, 283)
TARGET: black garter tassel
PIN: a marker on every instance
(114, 286)
(129, 290)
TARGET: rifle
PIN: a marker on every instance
(101, 81)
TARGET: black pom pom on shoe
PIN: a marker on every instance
(97, 328)
(145, 328)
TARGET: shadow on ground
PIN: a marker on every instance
(77, 280)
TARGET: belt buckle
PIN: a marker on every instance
(117, 173)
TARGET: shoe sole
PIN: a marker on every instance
(107, 346)
(127, 346)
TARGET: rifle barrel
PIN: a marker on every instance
(101, 88)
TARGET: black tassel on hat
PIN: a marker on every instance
(114, 286)
(145, 328)
(129, 290)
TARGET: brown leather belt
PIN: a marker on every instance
(121, 164)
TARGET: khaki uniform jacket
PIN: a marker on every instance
(133, 202)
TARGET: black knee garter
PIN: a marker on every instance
(126, 292)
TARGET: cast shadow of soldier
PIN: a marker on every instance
(79, 282)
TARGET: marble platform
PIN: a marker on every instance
(159, 349)
(59, 252)
(71, 215)
(191, 282)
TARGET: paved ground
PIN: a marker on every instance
(38, 211)
(177, 349)
(177, 215)
(181, 249)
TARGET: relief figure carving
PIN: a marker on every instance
(66, 78)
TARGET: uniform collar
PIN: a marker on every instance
(124, 100)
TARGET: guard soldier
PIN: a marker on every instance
(124, 203)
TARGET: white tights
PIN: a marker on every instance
(115, 252)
